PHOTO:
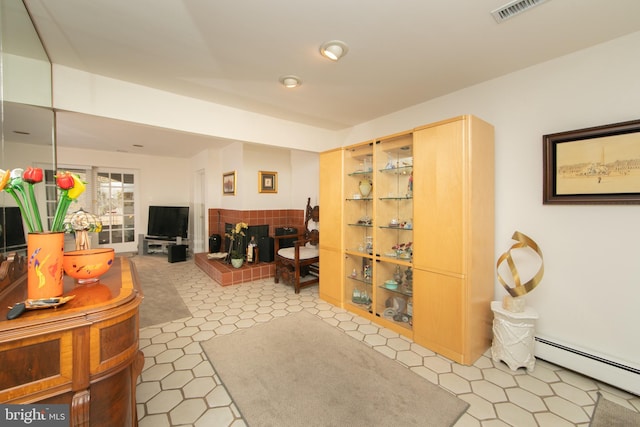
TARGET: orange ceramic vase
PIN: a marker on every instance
(45, 253)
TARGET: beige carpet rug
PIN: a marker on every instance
(610, 414)
(162, 303)
(299, 371)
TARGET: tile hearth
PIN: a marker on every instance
(227, 275)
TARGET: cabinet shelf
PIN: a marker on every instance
(405, 262)
(361, 173)
(396, 198)
(407, 324)
(401, 170)
(360, 225)
(360, 280)
(364, 307)
(363, 199)
(400, 290)
(359, 253)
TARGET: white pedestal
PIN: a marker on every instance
(513, 337)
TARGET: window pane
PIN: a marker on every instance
(129, 235)
(103, 236)
(129, 221)
(116, 237)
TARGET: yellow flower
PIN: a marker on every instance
(78, 187)
(5, 178)
(240, 226)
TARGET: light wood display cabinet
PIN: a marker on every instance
(413, 236)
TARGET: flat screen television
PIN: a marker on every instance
(11, 229)
(168, 222)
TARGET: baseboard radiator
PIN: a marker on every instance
(599, 367)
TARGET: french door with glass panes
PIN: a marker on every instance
(116, 206)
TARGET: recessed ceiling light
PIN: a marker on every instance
(334, 50)
(290, 81)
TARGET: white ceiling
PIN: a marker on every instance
(401, 53)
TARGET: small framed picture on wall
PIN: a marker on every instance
(267, 182)
(229, 183)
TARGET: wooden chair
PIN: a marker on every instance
(298, 265)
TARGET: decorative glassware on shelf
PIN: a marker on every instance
(397, 276)
(368, 244)
(360, 297)
(408, 281)
(365, 187)
(367, 164)
(367, 273)
(403, 250)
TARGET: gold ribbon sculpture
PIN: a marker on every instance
(520, 289)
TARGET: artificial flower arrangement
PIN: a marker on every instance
(19, 184)
(235, 241)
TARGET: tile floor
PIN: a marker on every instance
(179, 387)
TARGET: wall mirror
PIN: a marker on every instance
(27, 131)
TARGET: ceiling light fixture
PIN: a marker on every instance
(290, 81)
(334, 50)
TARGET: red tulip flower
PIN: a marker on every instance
(33, 175)
(65, 180)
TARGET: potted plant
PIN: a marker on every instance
(236, 251)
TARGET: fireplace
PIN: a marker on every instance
(256, 231)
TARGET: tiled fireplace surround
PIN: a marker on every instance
(224, 273)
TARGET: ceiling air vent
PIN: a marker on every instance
(514, 8)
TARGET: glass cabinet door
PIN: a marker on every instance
(393, 229)
(358, 227)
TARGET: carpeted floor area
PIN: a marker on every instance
(300, 371)
(162, 303)
(610, 414)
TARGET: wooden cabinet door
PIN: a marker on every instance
(330, 287)
(331, 274)
(438, 187)
(438, 313)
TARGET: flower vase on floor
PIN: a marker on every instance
(237, 262)
(45, 252)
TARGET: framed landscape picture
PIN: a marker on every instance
(598, 165)
(229, 183)
(267, 182)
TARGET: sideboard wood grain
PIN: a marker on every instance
(84, 353)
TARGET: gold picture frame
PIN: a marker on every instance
(267, 182)
(229, 183)
(597, 165)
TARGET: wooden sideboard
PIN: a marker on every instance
(84, 353)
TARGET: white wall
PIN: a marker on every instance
(160, 180)
(590, 293)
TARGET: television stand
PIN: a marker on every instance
(154, 245)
